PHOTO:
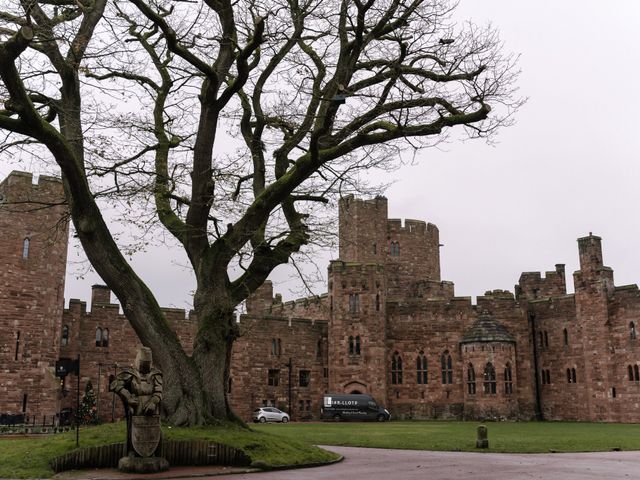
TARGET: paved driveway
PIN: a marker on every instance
(374, 464)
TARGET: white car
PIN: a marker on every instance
(269, 414)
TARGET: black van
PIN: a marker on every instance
(339, 406)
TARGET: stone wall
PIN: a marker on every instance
(285, 346)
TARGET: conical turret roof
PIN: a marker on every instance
(486, 329)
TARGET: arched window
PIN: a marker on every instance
(319, 349)
(352, 346)
(394, 249)
(636, 373)
(64, 339)
(25, 247)
(546, 339)
(274, 347)
(489, 383)
(396, 369)
(354, 303)
(377, 302)
(568, 375)
(573, 376)
(632, 331)
(446, 366)
(357, 344)
(548, 376)
(421, 369)
(105, 337)
(98, 337)
(630, 372)
(565, 336)
(471, 380)
(508, 380)
(279, 347)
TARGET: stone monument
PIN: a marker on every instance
(140, 389)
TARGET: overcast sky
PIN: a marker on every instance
(569, 166)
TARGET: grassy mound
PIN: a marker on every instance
(29, 457)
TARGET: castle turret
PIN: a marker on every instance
(594, 287)
(357, 334)
(363, 229)
(33, 253)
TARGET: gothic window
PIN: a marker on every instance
(396, 369)
(305, 378)
(546, 339)
(64, 339)
(421, 369)
(17, 345)
(394, 249)
(274, 346)
(471, 380)
(319, 349)
(565, 336)
(105, 337)
(446, 367)
(273, 380)
(25, 248)
(279, 347)
(489, 383)
(98, 337)
(573, 376)
(357, 344)
(636, 373)
(633, 334)
(630, 372)
(354, 303)
(375, 248)
(352, 346)
(377, 302)
(568, 375)
(508, 380)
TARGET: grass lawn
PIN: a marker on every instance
(521, 437)
(29, 457)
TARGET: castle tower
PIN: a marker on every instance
(594, 287)
(357, 333)
(363, 229)
(33, 254)
(413, 255)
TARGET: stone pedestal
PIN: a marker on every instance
(132, 464)
(482, 440)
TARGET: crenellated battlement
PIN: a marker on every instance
(411, 226)
(20, 187)
(532, 285)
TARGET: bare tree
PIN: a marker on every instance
(232, 122)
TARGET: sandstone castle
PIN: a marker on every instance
(388, 325)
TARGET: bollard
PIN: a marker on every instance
(482, 441)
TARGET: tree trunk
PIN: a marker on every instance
(217, 330)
